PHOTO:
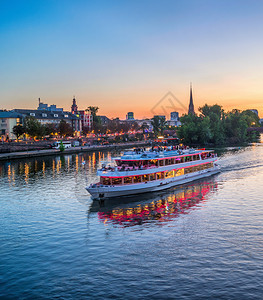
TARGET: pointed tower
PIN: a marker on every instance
(191, 109)
(74, 107)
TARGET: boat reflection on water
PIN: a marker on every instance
(161, 206)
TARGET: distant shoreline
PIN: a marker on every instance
(72, 150)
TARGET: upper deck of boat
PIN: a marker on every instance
(149, 155)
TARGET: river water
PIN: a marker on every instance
(203, 240)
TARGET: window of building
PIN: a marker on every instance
(55, 115)
(32, 114)
(44, 115)
(66, 116)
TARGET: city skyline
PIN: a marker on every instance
(126, 56)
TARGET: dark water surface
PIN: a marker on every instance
(199, 241)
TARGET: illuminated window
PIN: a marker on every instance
(179, 172)
(152, 176)
(106, 181)
(158, 176)
(178, 160)
(127, 180)
(154, 162)
(145, 178)
(196, 168)
(161, 162)
(169, 174)
(116, 181)
(137, 179)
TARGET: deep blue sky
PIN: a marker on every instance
(126, 55)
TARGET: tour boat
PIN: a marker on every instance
(140, 171)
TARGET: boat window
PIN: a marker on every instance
(161, 162)
(179, 172)
(177, 160)
(127, 180)
(106, 181)
(196, 168)
(152, 176)
(136, 179)
(154, 162)
(158, 176)
(182, 159)
(116, 181)
(145, 177)
(169, 174)
(186, 170)
(210, 165)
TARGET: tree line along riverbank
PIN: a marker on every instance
(213, 126)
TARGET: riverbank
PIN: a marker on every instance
(72, 150)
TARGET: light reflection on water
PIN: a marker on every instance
(201, 240)
(162, 207)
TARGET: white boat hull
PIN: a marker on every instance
(100, 192)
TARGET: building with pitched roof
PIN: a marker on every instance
(8, 120)
(51, 117)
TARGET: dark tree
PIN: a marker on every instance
(64, 128)
(85, 130)
(50, 129)
(18, 130)
(34, 128)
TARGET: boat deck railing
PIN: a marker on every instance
(125, 168)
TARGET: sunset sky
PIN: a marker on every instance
(126, 55)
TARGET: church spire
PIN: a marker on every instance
(74, 106)
(191, 109)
